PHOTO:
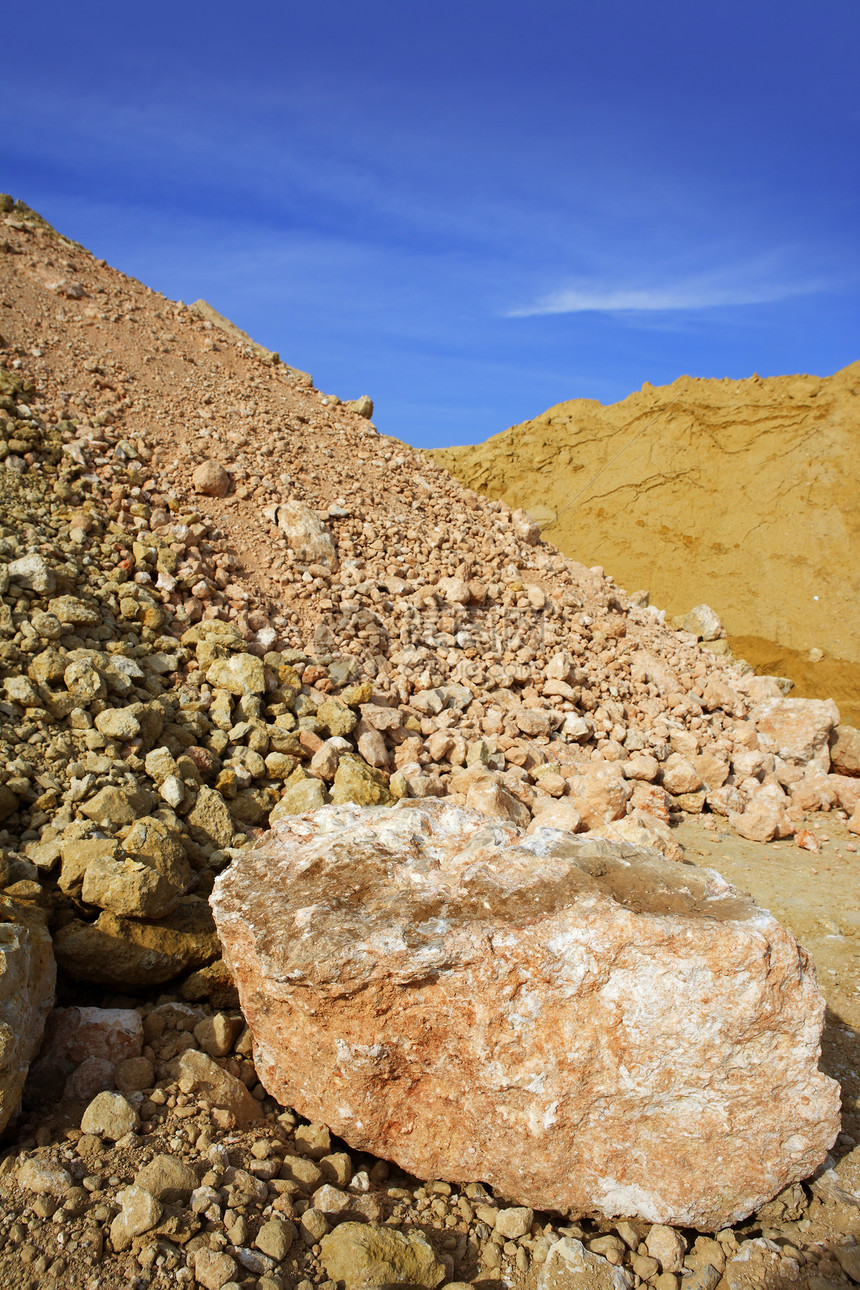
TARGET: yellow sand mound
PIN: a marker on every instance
(741, 494)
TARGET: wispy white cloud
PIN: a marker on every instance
(706, 292)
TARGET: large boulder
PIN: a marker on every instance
(305, 533)
(583, 1025)
(797, 730)
(27, 979)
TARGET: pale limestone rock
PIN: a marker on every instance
(642, 767)
(216, 1035)
(112, 805)
(337, 717)
(680, 775)
(32, 572)
(84, 682)
(110, 1116)
(140, 1211)
(576, 727)
(362, 406)
(239, 674)
(127, 887)
(43, 1177)
(313, 1140)
(492, 800)
(797, 730)
(201, 1075)
(703, 622)
(323, 764)
(211, 479)
(129, 952)
(534, 721)
(305, 533)
(559, 690)
(151, 840)
(454, 591)
(765, 816)
(561, 814)
(363, 1255)
(118, 723)
(726, 801)
(209, 820)
(845, 750)
(27, 978)
(167, 1178)
(213, 1268)
(275, 1238)
(572, 1021)
(356, 782)
(667, 1246)
(600, 794)
(69, 611)
(651, 669)
(372, 746)
(526, 528)
(757, 1263)
(331, 1200)
(302, 793)
(641, 830)
(514, 1222)
(409, 780)
(560, 667)
(570, 1265)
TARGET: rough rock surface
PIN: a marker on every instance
(27, 979)
(571, 1265)
(574, 1021)
(363, 1257)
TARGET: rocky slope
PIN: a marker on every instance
(739, 493)
(224, 598)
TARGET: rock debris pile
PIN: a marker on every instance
(226, 601)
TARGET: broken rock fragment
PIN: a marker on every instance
(27, 979)
(305, 533)
(581, 1024)
(211, 479)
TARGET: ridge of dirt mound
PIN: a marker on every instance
(742, 494)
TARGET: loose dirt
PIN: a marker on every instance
(741, 494)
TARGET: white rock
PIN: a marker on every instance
(570, 1266)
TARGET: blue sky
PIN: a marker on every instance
(469, 211)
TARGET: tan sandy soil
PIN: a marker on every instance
(741, 494)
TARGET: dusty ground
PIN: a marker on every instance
(818, 897)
